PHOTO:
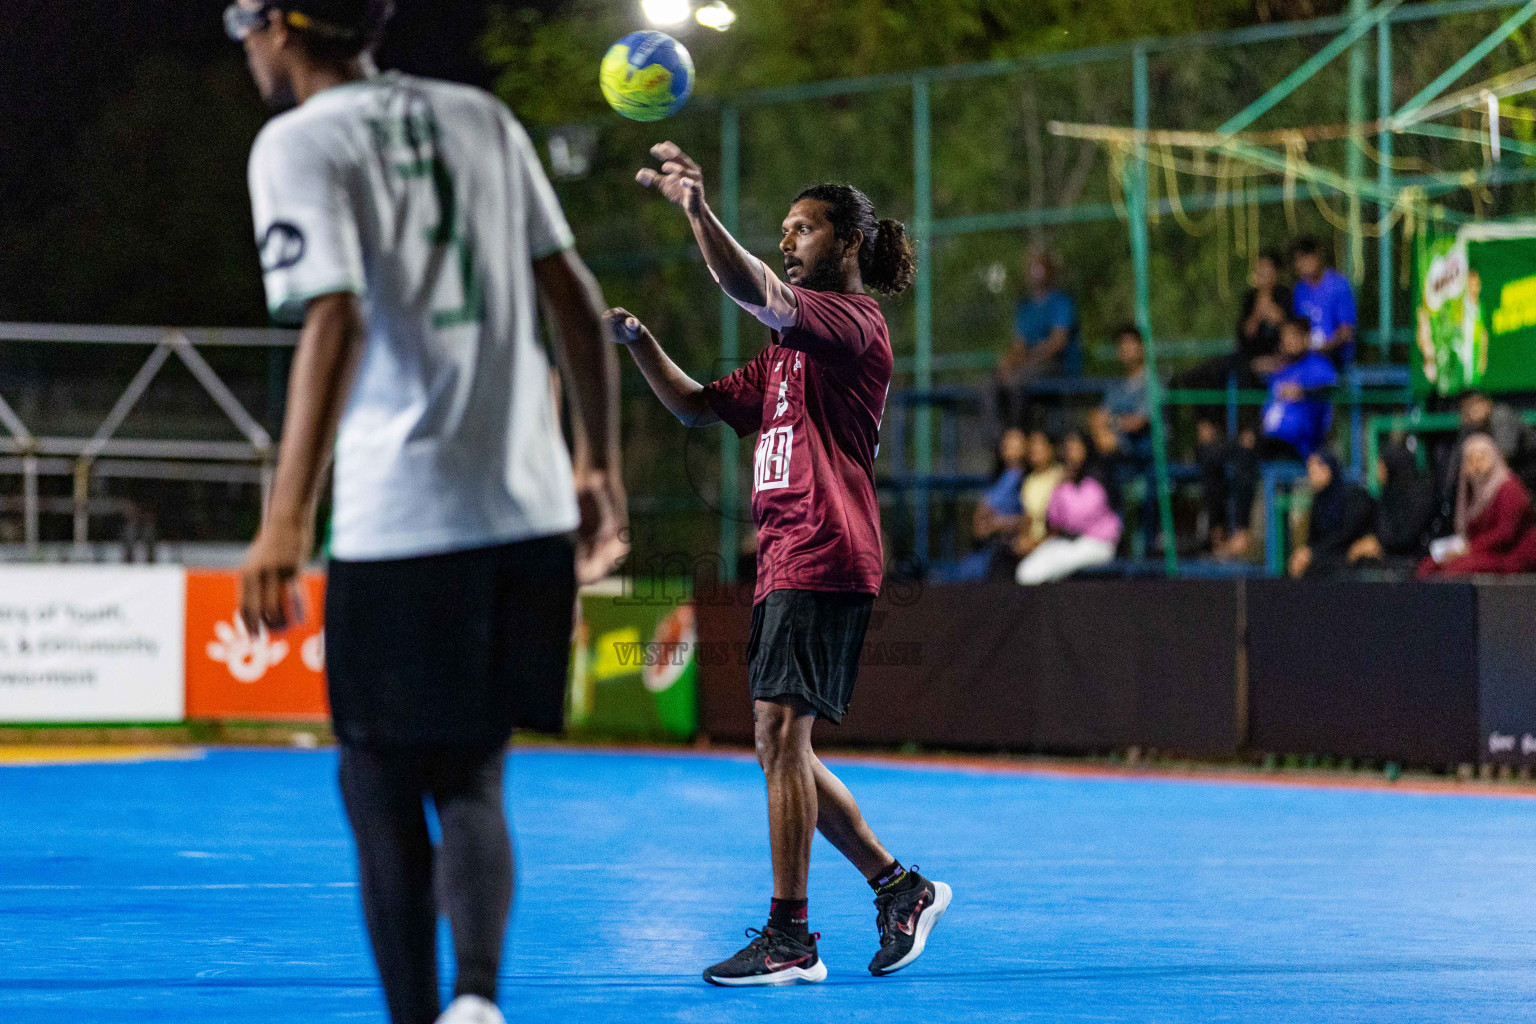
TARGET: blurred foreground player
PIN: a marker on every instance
(814, 397)
(407, 224)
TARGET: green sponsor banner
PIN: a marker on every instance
(634, 666)
(1476, 311)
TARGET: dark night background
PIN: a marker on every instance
(111, 210)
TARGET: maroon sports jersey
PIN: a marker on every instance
(815, 397)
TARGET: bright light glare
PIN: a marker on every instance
(666, 12)
(716, 16)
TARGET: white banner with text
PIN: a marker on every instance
(92, 643)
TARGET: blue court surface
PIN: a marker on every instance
(222, 889)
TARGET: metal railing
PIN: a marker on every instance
(103, 454)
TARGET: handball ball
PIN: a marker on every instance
(646, 76)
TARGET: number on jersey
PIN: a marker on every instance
(770, 464)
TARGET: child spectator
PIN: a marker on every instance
(1296, 420)
(1493, 519)
(1323, 296)
(1343, 516)
(1083, 529)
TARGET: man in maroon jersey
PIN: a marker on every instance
(814, 397)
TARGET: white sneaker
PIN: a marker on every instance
(472, 1010)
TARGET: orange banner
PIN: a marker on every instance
(232, 674)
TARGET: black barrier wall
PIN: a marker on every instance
(1506, 654)
(1090, 666)
(1423, 674)
(1368, 670)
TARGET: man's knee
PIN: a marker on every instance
(779, 731)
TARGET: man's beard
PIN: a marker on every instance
(825, 275)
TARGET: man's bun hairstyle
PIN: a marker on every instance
(338, 29)
(887, 257)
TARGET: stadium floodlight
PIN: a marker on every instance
(716, 16)
(666, 12)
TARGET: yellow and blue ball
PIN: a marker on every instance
(646, 76)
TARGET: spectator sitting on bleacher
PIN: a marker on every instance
(1255, 353)
(1406, 510)
(1339, 531)
(1046, 340)
(1121, 427)
(1045, 472)
(1516, 440)
(1325, 298)
(1495, 526)
(1083, 529)
(1296, 420)
(999, 515)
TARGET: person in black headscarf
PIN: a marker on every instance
(1343, 515)
(1407, 507)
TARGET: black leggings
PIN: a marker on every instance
(384, 792)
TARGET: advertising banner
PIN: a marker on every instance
(1475, 325)
(233, 674)
(91, 643)
(634, 665)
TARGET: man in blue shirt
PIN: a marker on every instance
(1297, 418)
(1046, 338)
(1323, 296)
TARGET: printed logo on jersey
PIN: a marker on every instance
(281, 247)
(770, 464)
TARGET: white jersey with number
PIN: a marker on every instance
(426, 199)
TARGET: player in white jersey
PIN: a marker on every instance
(408, 226)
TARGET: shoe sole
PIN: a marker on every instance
(789, 976)
(942, 894)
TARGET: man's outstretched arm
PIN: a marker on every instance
(742, 276)
(681, 394)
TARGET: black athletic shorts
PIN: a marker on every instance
(805, 644)
(453, 650)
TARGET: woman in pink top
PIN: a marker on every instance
(1084, 530)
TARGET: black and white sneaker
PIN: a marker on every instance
(904, 919)
(771, 958)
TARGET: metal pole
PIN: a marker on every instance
(730, 339)
(30, 527)
(1141, 258)
(1354, 154)
(1469, 60)
(1362, 19)
(82, 503)
(922, 218)
(1386, 197)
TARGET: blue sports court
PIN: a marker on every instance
(219, 886)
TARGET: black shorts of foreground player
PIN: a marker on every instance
(814, 396)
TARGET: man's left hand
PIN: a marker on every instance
(269, 596)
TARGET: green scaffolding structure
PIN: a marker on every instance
(1352, 34)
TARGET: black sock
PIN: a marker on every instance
(789, 917)
(893, 878)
